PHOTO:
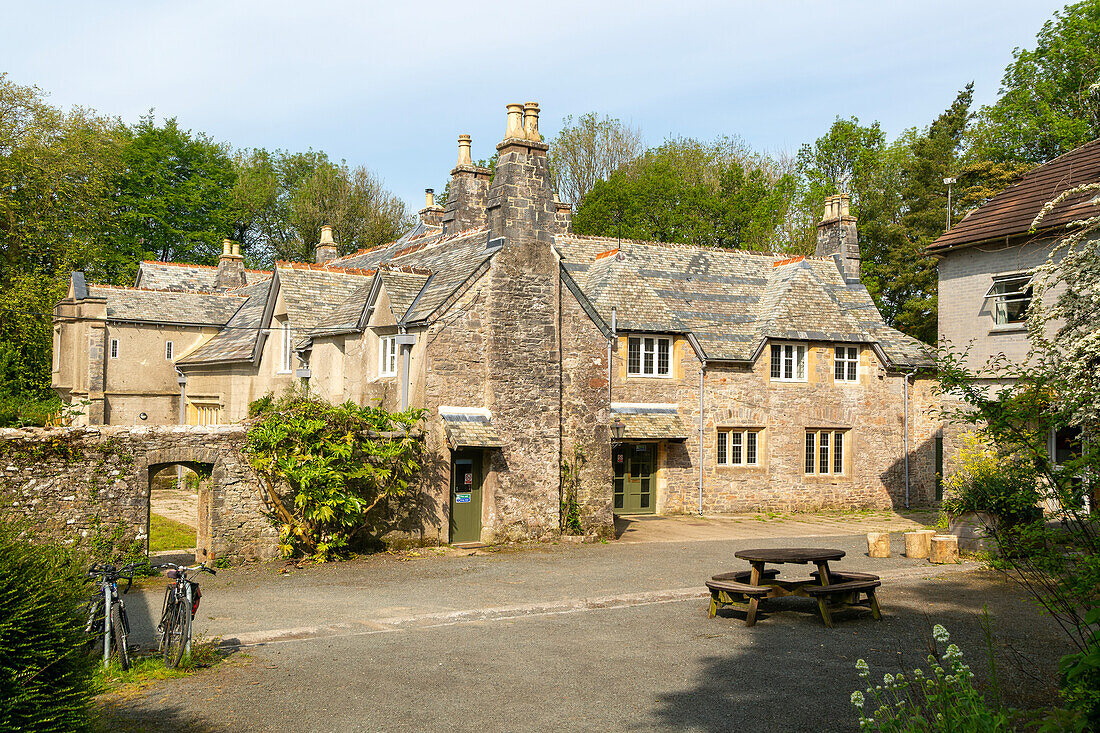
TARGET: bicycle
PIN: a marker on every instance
(107, 613)
(181, 602)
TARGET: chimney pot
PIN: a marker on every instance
(515, 122)
(429, 198)
(227, 246)
(326, 248)
(326, 235)
(464, 150)
(843, 204)
(236, 250)
(531, 121)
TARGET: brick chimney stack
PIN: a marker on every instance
(230, 267)
(326, 248)
(431, 214)
(836, 237)
(466, 195)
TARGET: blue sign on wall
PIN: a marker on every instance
(462, 498)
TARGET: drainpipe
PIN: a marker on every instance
(405, 341)
(181, 378)
(906, 400)
(702, 372)
(610, 341)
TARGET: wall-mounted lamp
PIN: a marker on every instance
(618, 430)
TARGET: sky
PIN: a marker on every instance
(391, 85)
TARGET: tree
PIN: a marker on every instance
(590, 150)
(282, 200)
(1050, 96)
(173, 192)
(57, 171)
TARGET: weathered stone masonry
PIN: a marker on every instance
(62, 479)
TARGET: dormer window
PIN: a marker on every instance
(649, 356)
(788, 362)
(387, 356)
(1011, 296)
(846, 364)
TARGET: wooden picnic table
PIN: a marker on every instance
(832, 590)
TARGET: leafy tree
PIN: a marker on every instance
(590, 150)
(1049, 100)
(349, 471)
(282, 200)
(57, 171)
(173, 192)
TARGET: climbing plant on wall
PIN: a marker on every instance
(335, 477)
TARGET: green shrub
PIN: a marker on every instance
(17, 412)
(1006, 486)
(46, 681)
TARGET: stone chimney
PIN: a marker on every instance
(326, 248)
(466, 195)
(836, 237)
(521, 201)
(431, 214)
(230, 266)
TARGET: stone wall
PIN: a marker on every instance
(62, 479)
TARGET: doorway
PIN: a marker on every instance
(180, 512)
(466, 480)
(634, 480)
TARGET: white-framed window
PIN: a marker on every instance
(114, 348)
(649, 356)
(169, 350)
(1011, 296)
(57, 349)
(846, 363)
(206, 413)
(738, 447)
(788, 362)
(387, 356)
(825, 451)
(286, 351)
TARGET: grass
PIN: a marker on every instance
(168, 534)
(145, 668)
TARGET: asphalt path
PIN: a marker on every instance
(608, 637)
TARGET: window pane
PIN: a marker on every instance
(777, 353)
(662, 356)
(838, 453)
(852, 365)
(800, 359)
(750, 448)
(809, 452)
(735, 448)
(647, 357)
(788, 361)
(838, 363)
(721, 448)
(823, 462)
(634, 356)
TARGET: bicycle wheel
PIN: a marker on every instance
(94, 626)
(165, 617)
(179, 631)
(118, 636)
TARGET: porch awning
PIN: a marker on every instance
(470, 427)
(650, 421)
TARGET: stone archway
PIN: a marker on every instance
(202, 461)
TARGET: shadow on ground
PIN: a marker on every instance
(797, 672)
(116, 716)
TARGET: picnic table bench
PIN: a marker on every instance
(745, 589)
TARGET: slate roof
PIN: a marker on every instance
(470, 430)
(138, 304)
(650, 422)
(238, 339)
(183, 276)
(1011, 212)
(731, 301)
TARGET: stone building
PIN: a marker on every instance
(668, 378)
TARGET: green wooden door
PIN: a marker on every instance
(634, 480)
(466, 497)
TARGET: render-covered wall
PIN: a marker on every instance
(966, 315)
(62, 479)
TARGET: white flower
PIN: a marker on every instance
(952, 652)
(857, 699)
(887, 679)
(939, 633)
(862, 667)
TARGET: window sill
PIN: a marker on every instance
(1009, 328)
(649, 376)
(788, 381)
(742, 467)
(283, 371)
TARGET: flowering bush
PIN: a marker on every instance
(943, 699)
(1003, 485)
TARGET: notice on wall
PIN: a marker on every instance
(469, 479)
(462, 498)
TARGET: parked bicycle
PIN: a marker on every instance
(181, 602)
(107, 613)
